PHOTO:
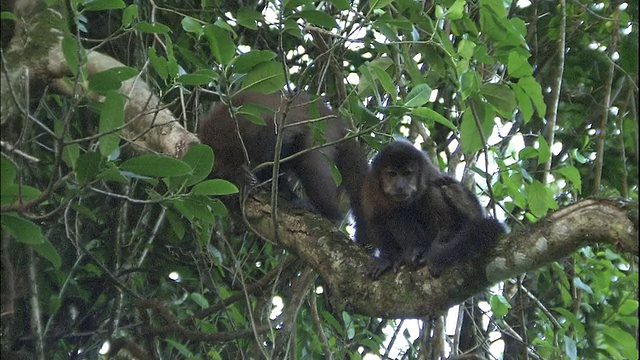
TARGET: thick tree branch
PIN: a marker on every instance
(413, 294)
(34, 59)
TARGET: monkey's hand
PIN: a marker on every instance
(378, 267)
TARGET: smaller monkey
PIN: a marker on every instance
(415, 215)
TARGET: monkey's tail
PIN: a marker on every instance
(476, 237)
(353, 165)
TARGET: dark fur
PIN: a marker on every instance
(313, 169)
(414, 214)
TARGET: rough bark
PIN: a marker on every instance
(414, 294)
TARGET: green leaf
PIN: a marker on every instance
(70, 52)
(253, 113)
(182, 349)
(386, 82)
(578, 283)
(341, 4)
(524, 102)
(129, 14)
(500, 96)
(214, 187)
(544, 152)
(534, 90)
(540, 198)
(159, 63)
(266, 78)
(200, 158)
(499, 305)
(528, 152)
(247, 17)
(155, 28)
(112, 173)
(100, 5)
(111, 117)
(518, 66)
(23, 230)
(379, 4)
(87, 167)
(570, 348)
(418, 96)
(466, 49)
(318, 18)
(200, 77)
(470, 137)
(192, 25)
(245, 62)
(220, 43)
(628, 307)
(430, 114)
(5, 15)
(155, 166)
(47, 251)
(456, 11)
(200, 300)
(111, 79)
(8, 173)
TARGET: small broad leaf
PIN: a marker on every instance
(253, 113)
(418, 96)
(518, 66)
(87, 167)
(266, 78)
(8, 172)
(432, 115)
(540, 198)
(111, 79)
(155, 28)
(200, 77)
(129, 14)
(220, 43)
(22, 229)
(502, 97)
(544, 152)
(534, 90)
(100, 5)
(245, 62)
(111, 117)
(47, 251)
(70, 52)
(192, 25)
(318, 18)
(200, 300)
(247, 17)
(200, 158)
(155, 166)
(456, 11)
(499, 305)
(214, 187)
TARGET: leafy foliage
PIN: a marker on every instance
(142, 247)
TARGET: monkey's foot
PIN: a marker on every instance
(378, 267)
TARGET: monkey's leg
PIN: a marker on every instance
(315, 173)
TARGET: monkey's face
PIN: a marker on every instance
(400, 184)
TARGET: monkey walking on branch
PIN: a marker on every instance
(415, 215)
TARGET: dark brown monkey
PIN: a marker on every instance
(229, 136)
(413, 214)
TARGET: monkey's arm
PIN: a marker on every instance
(477, 236)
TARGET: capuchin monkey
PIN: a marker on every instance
(415, 215)
(240, 144)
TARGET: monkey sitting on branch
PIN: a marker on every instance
(243, 136)
(415, 215)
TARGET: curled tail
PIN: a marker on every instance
(477, 236)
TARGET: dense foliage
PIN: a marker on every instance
(533, 104)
